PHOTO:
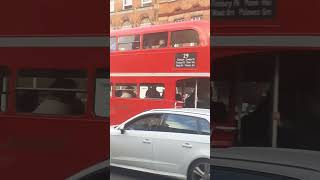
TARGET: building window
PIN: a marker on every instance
(179, 20)
(127, 4)
(145, 3)
(196, 18)
(145, 22)
(111, 5)
(126, 24)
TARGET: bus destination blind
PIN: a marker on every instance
(243, 8)
(186, 60)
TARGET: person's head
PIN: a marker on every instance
(162, 43)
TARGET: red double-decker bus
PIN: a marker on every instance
(54, 73)
(266, 73)
(160, 66)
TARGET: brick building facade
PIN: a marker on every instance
(135, 13)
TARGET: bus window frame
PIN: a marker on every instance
(200, 38)
(86, 112)
(116, 39)
(142, 48)
(135, 34)
(113, 90)
(153, 99)
(95, 76)
(124, 84)
(193, 29)
(8, 92)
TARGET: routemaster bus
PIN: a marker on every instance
(54, 71)
(266, 73)
(160, 66)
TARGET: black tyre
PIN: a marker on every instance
(199, 170)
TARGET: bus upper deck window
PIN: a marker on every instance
(101, 105)
(51, 92)
(184, 38)
(113, 44)
(155, 40)
(129, 43)
(151, 91)
(126, 90)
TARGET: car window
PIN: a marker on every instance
(180, 124)
(145, 123)
(239, 174)
(204, 126)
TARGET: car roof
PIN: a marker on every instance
(305, 159)
(197, 111)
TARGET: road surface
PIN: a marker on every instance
(124, 174)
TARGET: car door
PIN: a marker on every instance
(134, 147)
(177, 142)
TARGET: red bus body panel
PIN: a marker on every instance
(50, 18)
(51, 147)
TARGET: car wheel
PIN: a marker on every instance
(199, 170)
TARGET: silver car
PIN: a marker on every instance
(171, 142)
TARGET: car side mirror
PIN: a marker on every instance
(122, 130)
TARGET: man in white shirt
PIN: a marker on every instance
(58, 102)
(53, 105)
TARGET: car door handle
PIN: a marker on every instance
(186, 145)
(147, 141)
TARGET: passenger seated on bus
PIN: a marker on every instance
(162, 43)
(61, 102)
(128, 93)
(152, 93)
(118, 93)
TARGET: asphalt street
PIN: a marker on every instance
(124, 174)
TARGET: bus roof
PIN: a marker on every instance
(201, 26)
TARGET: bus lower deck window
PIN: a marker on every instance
(151, 91)
(126, 90)
(3, 89)
(51, 92)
